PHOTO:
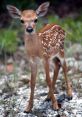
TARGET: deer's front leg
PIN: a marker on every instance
(49, 83)
(33, 80)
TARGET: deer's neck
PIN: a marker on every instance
(32, 45)
(31, 38)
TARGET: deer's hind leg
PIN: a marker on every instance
(64, 67)
(56, 71)
(55, 76)
(49, 83)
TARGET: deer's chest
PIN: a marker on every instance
(32, 48)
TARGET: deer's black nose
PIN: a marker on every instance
(29, 29)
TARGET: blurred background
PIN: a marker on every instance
(66, 13)
(14, 66)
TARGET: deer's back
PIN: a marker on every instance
(52, 39)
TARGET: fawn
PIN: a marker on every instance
(46, 44)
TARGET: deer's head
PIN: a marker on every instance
(28, 17)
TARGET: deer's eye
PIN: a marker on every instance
(22, 21)
(35, 21)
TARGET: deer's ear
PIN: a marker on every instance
(13, 11)
(42, 10)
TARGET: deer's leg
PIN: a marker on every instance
(64, 67)
(33, 80)
(56, 71)
(69, 88)
(55, 76)
(49, 83)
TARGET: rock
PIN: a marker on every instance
(75, 51)
(61, 98)
(72, 64)
(1, 110)
(1, 92)
(25, 115)
(80, 66)
(25, 81)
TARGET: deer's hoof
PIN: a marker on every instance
(27, 111)
(47, 100)
(55, 108)
(69, 98)
(58, 115)
(59, 105)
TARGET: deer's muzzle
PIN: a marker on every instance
(29, 29)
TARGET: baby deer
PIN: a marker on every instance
(45, 44)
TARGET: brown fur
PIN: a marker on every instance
(46, 44)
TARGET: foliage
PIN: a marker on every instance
(8, 40)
